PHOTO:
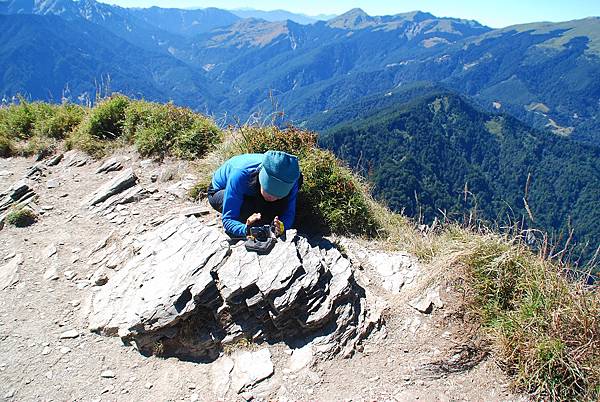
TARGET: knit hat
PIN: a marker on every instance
(279, 173)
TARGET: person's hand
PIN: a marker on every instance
(279, 228)
(252, 219)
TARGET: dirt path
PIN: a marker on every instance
(40, 360)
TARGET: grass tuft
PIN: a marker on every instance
(21, 217)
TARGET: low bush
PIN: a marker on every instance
(6, 147)
(64, 119)
(105, 121)
(291, 140)
(102, 125)
(21, 217)
(333, 198)
(158, 129)
(17, 122)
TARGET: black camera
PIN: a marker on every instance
(261, 233)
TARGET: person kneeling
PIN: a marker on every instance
(256, 189)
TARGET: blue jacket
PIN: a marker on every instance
(235, 176)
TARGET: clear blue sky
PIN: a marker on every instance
(492, 13)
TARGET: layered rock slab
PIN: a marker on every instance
(187, 291)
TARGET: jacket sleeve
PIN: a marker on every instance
(232, 204)
(289, 215)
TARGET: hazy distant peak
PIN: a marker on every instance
(416, 16)
(353, 19)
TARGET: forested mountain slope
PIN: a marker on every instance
(440, 155)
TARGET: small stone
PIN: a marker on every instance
(51, 274)
(64, 350)
(106, 390)
(107, 374)
(52, 183)
(46, 351)
(9, 255)
(50, 251)
(148, 385)
(47, 207)
(191, 386)
(48, 374)
(70, 334)
(70, 274)
(10, 394)
(194, 397)
(75, 303)
(100, 277)
(373, 379)
(5, 173)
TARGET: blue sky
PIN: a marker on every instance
(493, 13)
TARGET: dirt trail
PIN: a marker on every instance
(36, 312)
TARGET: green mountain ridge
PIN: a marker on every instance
(438, 155)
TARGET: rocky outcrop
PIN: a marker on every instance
(187, 291)
(110, 165)
(115, 186)
(19, 194)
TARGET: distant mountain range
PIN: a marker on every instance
(433, 108)
(546, 74)
(280, 15)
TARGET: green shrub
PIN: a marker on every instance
(332, 198)
(65, 119)
(158, 129)
(105, 121)
(38, 145)
(6, 147)
(17, 122)
(102, 125)
(21, 217)
(291, 140)
(196, 140)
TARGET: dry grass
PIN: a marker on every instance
(543, 328)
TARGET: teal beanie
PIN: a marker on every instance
(279, 173)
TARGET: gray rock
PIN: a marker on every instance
(181, 188)
(250, 368)
(100, 277)
(70, 334)
(5, 173)
(19, 194)
(70, 274)
(74, 158)
(221, 376)
(52, 183)
(118, 184)
(300, 358)
(55, 160)
(107, 374)
(9, 273)
(195, 211)
(35, 170)
(425, 304)
(51, 274)
(49, 251)
(187, 289)
(110, 165)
